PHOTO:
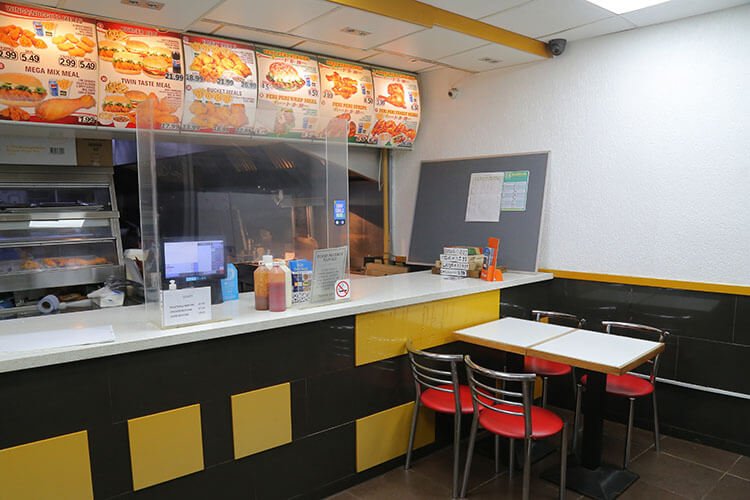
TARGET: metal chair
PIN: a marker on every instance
(547, 369)
(436, 389)
(500, 412)
(629, 386)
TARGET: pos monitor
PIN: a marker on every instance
(191, 262)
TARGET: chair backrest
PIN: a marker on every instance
(488, 390)
(435, 371)
(629, 329)
(558, 318)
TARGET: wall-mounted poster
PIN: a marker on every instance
(48, 66)
(396, 108)
(346, 103)
(221, 86)
(138, 63)
(288, 94)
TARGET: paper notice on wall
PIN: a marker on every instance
(515, 191)
(485, 197)
(329, 267)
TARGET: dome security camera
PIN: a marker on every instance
(453, 92)
(557, 46)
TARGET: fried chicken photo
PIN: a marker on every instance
(342, 86)
(56, 109)
(395, 95)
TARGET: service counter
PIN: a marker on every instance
(264, 405)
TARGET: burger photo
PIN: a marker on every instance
(127, 63)
(21, 90)
(136, 97)
(117, 104)
(137, 47)
(162, 52)
(107, 49)
(155, 66)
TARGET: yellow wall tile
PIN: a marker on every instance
(165, 446)
(261, 419)
(56, 468)
(382, 334)
(385, 435)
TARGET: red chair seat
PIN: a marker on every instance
(443, 402)
(544, 423)
(627, 386)
(544, 367)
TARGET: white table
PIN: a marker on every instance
(512, 334)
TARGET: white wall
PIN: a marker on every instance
(649, 134)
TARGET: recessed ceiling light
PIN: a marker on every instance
(355, 31)
(623, 6)
(490, 60)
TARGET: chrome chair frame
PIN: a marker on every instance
(426, 377)
(657, 333)
(485, 397)
(538, 315)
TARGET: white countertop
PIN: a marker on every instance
(133, 333)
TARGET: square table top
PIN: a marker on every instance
(511, 334)
(596, 351)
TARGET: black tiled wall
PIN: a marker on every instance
(709, 346)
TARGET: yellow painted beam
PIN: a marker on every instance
(261, 419)
(383, 334)
(385, 435)
(422, 14)
(165, 446)
(696, 286)
(52, 469)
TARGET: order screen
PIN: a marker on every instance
(184, 259)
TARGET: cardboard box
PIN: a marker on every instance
(94, 153)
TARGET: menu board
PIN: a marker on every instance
(48, 66)
(221, 85)
(346, 103)
(396, 109)
(288, 94)
(138, 63)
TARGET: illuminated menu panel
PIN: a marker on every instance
(346, 103)
(397, 108)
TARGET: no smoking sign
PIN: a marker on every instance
(343, 289)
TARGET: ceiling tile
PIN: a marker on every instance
(398, 62)
(381, 29)
(327, 49)
(474, 8)
(273, 15)
(678, 9)
(176, 14)
(433, 43)
(204, 27)
(507, 56)
(597, 28)
(249, 35)
(542, 17)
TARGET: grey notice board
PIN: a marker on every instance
(439, 215)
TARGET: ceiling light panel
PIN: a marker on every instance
(433, 43)
(273, 15)
(176, 14)
(542, 17)
(678, 9)
(623, 6)
(474, 8)
(598, 28)
(329, 28)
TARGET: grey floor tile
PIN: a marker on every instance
(741, 468)
(705, 455)
(641, 490)
(504, 487)
(344, 495)
(675, 475)
(730, 488)
(439, 467)
(398, 484)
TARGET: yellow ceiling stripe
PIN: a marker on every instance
(428, 16)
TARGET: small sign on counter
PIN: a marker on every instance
(186, 306)
(329, 267)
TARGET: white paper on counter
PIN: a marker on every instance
(186, 306)
(50, 339)
(485, 197)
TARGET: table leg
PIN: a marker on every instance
(590, 476)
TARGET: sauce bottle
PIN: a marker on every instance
(288, 286)
(260, 283)
(277, 289)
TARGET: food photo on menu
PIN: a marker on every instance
(288, 94)
(220, 86)
(48, 66)
(397, 109)
(137, 65)
(346, 103)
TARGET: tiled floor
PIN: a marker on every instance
(683, 470)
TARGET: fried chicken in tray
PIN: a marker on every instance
(342, 85)
(395, 95)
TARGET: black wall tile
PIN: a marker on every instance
(300, 427)
(216, 423)
(230, 481)
(685, 313)
(742, 321)
(593, 301)
(714, 364)
(518, 301)
(109, 450)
